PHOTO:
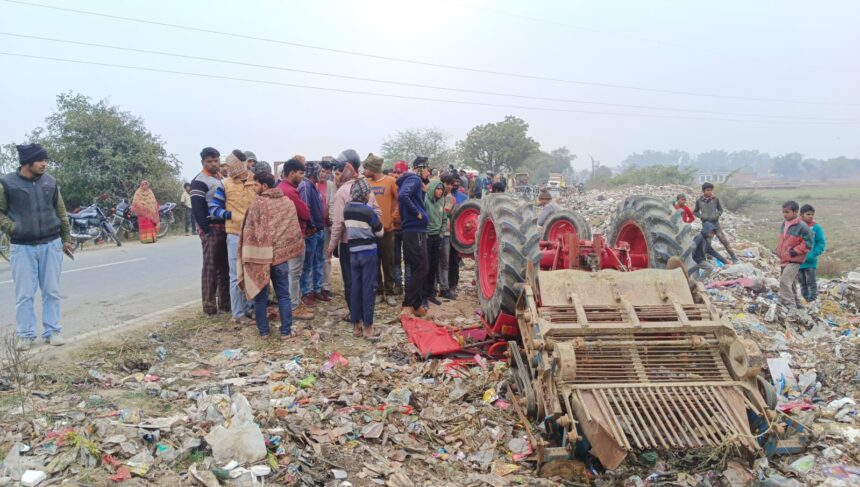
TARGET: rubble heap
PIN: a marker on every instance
(202, 401)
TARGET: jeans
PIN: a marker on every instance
(434, 244)
(189, 221)
(239, 304)
(787, 294)
(401, 271)
(281, 283)
(363, 268)
(808, 284)
(296, 265)
(385, 279)
(312, 273)
(326, 281)
(444, 262)
(415, 255)
(345, 272)
(37, 266)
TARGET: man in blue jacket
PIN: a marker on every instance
(413, 224)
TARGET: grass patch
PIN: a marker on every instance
(835, 211)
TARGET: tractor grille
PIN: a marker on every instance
(668, 416)
(648, 357)
(618, 314)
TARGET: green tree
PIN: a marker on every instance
(541, 163)
(408, 144)
(788, 165)
(498, 147)
(8, 158)
(99, 152)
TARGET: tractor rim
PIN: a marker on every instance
(488, 264)
(633, 234)
(560, 228)
(467, 225)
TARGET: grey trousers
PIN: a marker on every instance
(787, 279)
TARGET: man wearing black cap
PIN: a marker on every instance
(34, 216)
(413, 224)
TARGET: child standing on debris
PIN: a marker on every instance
(681, 205)
(794, 243)
(806, 275)
(709, 209)
(702, 249)
(363, 227)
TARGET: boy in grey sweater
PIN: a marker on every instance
(709, 209)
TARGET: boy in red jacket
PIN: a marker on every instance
(794, 243)
(681, 205)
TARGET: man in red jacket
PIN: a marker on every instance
(293, 173)
(794, 243)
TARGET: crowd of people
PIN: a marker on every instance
(801, 241)
(262, 227)
(390, 230)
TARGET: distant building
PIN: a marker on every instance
(712, 177)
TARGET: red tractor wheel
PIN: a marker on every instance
(653, 231)
(507, 239)
(464, 226)
(563, 222)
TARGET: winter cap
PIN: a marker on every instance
(30, 153)
(374, 163)
(235, 163)
(420, 161)
(359, 190)
(350, 156)
(401, 167)
(312, 170)
(250, 156)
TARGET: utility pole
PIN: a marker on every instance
(594, 165)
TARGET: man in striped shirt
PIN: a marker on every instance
(215, 279)
(363, 227)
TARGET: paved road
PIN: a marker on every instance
(107, 286)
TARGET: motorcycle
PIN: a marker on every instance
(91, 223)
(125, 220)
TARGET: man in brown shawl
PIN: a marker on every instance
(270, 237)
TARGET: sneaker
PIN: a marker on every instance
(55, 340)
(303, 313)
(391, 301)
(323, 296)
(449, 295)
(24, 344)
(433, 300)
(309, 299)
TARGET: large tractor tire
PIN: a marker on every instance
(464, 228)
(654, 232)
(563, 222)
(507, 239)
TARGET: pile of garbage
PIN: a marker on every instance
(206, 402)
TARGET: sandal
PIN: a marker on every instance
(293, 334)
(370, 333)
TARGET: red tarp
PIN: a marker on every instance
(432, 339)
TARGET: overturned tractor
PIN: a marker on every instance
(612, 348)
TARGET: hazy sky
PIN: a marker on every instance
(802, 53)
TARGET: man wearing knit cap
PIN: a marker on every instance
(350, 161)
(385, 189)
(34, 216)
(230, 202)
(250, 160)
